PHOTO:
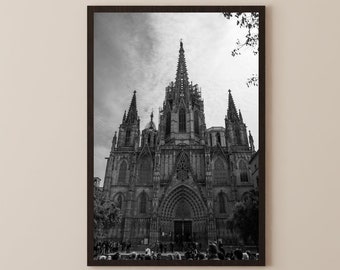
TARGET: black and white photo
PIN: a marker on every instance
(176, 136)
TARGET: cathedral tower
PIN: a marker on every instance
(182, 117)
(235, 128)
(129, 129)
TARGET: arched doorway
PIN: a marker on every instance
(183, 224)
(183, 218)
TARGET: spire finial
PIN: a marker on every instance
(240, 115)
(251, 142)
(114, 141)
(124, 116)
(151, 115)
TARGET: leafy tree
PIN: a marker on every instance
(244, 219)
(106, 214)
(250, 22)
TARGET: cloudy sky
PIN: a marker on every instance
(139, 51)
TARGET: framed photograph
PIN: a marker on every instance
(176, 135)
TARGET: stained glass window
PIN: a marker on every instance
(168, 124)
(119, 201)
(196, 123)
(142, 208)
(221, 202)
(218, 138)
(122, 172)
(182, 121)
(127, 137)
(243, 171)
(220, 172)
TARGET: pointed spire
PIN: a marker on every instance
(151, 124)
(251, 142)
(151, 115)
(232, 112)
(132, 114)
(182, 80)
(240, 115)
(124, 117)
(114, 141)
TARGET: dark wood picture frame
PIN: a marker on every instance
(91, 10)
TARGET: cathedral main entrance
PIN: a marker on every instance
(183, 230)
(182, 233)
(183, 217)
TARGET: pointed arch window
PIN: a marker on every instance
(211, 142)
(182, 120)
(119, 201)
(243, 171)
(220, 172)
(149, 139)
(145, 171)
(122, 172)
(168, 124)
(196, 123)
(221, 203)
(238, 136)
(142, 203)
(127, 137)
(218, 138)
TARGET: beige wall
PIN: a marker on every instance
(43, 133)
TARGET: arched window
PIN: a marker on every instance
(149, 139)
(182, 121)
(168, 124)
(122, 172)
(218, 138)
(221, 203)
(211, 143)
(238, 136)
(196, 123)
(142, 203)
(243, 171)
(220, 173)
(145, 171)
(127, 137)
(119, 201)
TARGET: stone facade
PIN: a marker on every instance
(180, 182)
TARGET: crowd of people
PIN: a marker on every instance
(106, 247)
(107, 250)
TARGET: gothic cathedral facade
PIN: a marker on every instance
(179, 182)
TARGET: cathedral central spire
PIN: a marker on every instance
(182, 80)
